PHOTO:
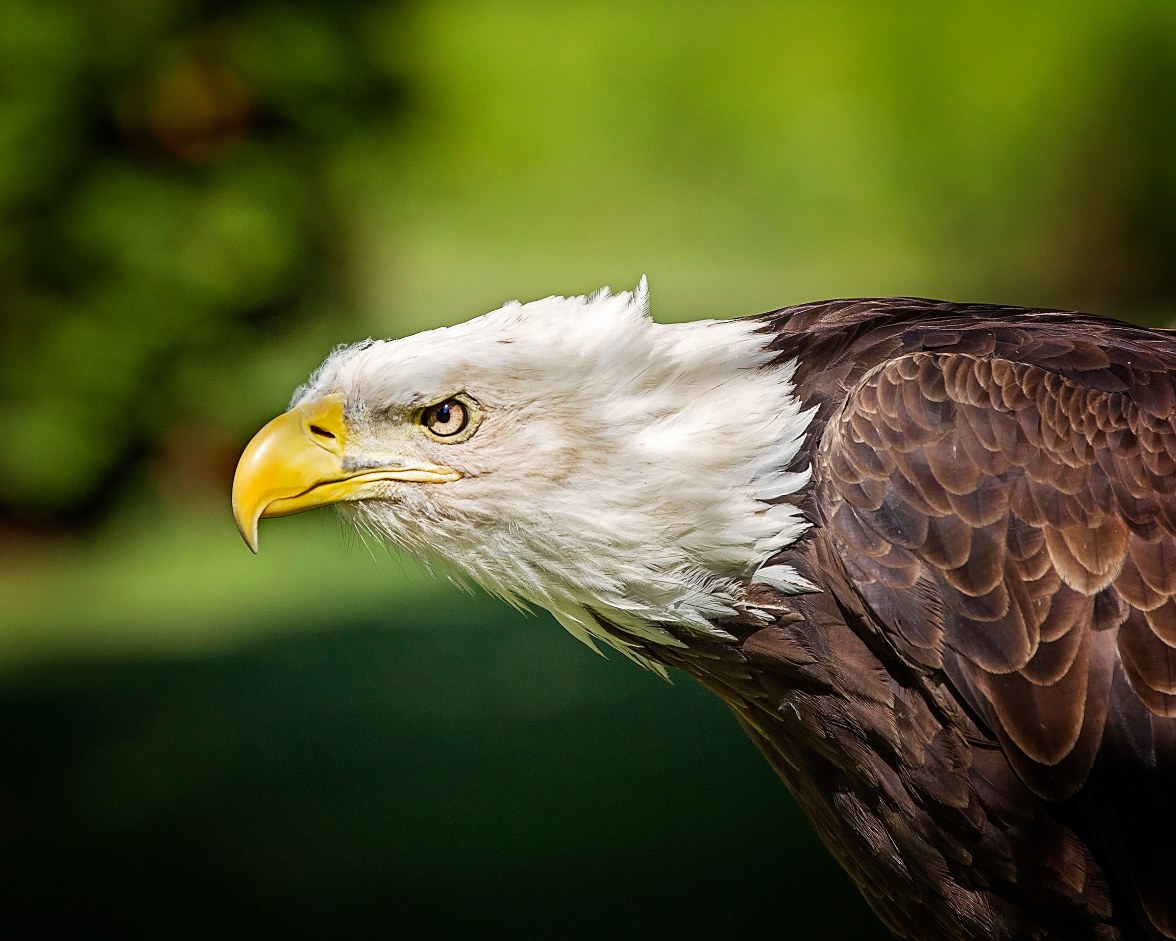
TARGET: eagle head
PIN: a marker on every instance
(569, 453)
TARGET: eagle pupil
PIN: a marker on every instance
(443, 414)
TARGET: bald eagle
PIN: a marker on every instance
(926, 552)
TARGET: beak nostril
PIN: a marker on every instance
(321, 432)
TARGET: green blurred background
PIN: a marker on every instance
(199, 199)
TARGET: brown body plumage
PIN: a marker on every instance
(978, 711)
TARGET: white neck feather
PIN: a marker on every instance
(624, 467)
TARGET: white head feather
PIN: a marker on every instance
(621, 467)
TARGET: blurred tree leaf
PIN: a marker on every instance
(165, 202)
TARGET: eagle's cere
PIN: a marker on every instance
(926, 552)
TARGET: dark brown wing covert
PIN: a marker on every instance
(1016, 529)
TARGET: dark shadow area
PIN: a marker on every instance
(372, 782)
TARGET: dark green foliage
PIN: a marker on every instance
(166, 212)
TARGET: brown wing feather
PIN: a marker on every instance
(1013, 525)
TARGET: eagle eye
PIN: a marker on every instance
(446, 419)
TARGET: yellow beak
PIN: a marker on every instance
(296, 463)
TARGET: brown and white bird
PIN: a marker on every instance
(925, 551)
